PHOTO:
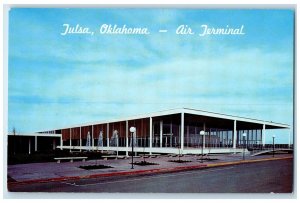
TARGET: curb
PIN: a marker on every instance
(246, 162)
(144, 172)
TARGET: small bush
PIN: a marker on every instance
(144, 163)
(93, 167)
(208, 159)
(179, 161)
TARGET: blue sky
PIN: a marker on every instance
(56, 81)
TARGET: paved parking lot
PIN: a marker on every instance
(56, 171)
(252, 177)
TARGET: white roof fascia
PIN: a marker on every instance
(229, 117)
(155, 114)
(178, 111)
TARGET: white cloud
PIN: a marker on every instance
(232, 82)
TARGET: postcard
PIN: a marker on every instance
(150, 100)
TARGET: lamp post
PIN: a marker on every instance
(132, 131)
(273, 144)
(202, 133)
(244, 140)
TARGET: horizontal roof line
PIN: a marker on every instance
(177, 111)
(252, 119)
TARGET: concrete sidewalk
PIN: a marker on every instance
(52, 171)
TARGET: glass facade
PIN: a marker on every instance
(252, 138)
(166, 133)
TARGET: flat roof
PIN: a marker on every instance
(270, 124)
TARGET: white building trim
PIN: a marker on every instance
(182, 131)
(151, 132)
(186, 111)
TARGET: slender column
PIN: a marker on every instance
(263, 138)
(61, 143)
(222, 138)
(80, 140)
(107, 127)
(203, 139)
(249, 132)
(289, 138)
(171, 141)
(188, 135)
(127, 138)
(182, 131)
(70, 139)
(160, 133)
(256, 134)
(234, 134)
(150, 138)
(217, 138)
(92, 137)
(29, 145)
(35, 143)
(238, 134)
(227, 139)
(209, 138)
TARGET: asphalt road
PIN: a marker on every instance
(261, 177)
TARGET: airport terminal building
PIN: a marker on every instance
(171, 131)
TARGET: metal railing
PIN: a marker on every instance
(270, 147)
